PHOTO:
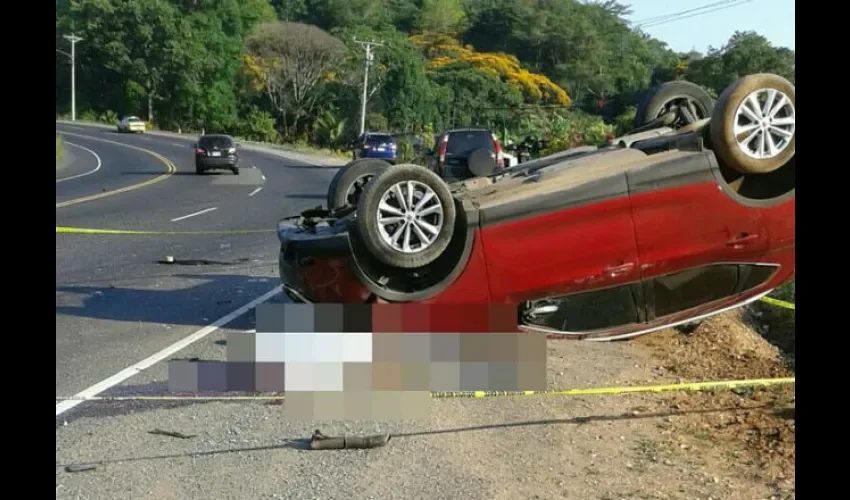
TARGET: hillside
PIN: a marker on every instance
(292, 70)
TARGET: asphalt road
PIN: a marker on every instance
(115, 304)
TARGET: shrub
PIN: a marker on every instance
(60, 149)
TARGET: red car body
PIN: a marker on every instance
(621, 242)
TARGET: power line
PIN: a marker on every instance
(667, 16)
(678, 16)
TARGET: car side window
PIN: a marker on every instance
(594, 310)
(684, 290)
(753, 275)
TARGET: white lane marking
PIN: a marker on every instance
(194, 214)
(96, 157)
(255, 191)
(178, 145)
(146, 363)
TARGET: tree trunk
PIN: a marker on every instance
(150, 107)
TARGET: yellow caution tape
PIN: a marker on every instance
(780, 303)
(683, 387)
(170, 168)
(83, 230)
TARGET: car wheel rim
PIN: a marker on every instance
(356, 188)
(764, 124)
(410, 217)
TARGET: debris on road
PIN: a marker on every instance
(80, 467)
(172, 434)
(321, 442)
(169, 259)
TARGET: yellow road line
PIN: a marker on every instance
(83, 230)
(169, 170)
(684, 387)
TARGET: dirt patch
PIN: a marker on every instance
(756, 437)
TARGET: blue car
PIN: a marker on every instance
(377, 145)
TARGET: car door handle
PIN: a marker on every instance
(742, 239)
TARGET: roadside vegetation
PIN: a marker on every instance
(60, 149)
(777, 324)
(566, 71)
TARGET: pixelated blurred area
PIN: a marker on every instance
(370, 361)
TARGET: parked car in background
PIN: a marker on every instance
(216, 152)
(466, 152)
(131, 124)
(650, 231)
(377, 145)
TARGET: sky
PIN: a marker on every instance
(774, 19)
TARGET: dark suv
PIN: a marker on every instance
(216, 152)
(450, 156)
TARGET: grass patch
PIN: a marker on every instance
(60, 149)
(777, 323)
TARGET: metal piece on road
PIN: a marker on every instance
(176, 434)
(321, 442)
(410, 208)
(80, 467)
(170, 168)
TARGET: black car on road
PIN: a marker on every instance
(216, 152)
(460, 153)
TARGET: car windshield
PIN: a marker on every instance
(134, 119)
(462, 143)
(379, 139)
(219, 142)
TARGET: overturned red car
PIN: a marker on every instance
(660, 228)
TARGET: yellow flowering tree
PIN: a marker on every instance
(443, 50)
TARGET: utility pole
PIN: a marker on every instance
(73, 39)
(370, 56)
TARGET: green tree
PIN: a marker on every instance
(441, 16)
(291, 61)
(745, 53)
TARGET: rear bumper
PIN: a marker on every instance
(315, 264)
(377, 155)
(224, 162)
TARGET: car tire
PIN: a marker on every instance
(235, 170)
(734, 104)
(481, 163)
(661, 97)
(380, 190)
(348, 176)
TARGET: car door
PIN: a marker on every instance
(573, 256)
(691, 235)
